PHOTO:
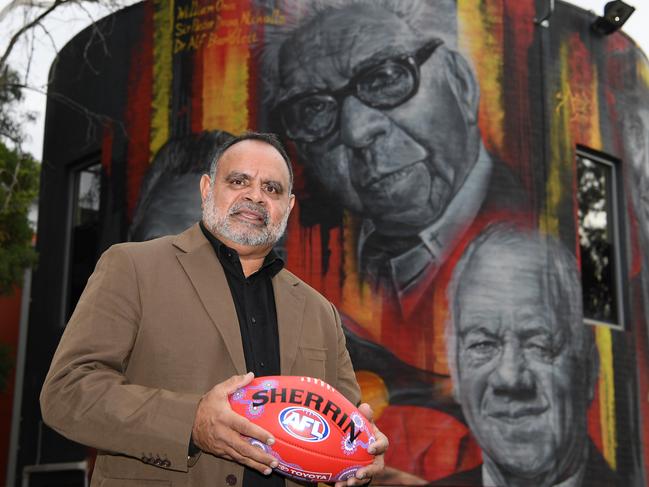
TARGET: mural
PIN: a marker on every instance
(434, 145)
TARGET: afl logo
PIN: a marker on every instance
(304, 424)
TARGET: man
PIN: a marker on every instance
(161, 322)
(524, 365)
(169, 202)
(384, 116)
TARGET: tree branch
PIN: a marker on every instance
(10, 188)
(21, 3)
(26, 27)
(76, 106)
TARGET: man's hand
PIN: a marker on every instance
(218, 430)
(378, 448)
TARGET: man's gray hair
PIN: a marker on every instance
(558, 275)
(298, 14)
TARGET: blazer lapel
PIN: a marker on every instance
(206, 274)
(289, 302)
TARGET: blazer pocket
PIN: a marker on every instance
(312, 363)
(107, 482)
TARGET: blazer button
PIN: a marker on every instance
(231, 479)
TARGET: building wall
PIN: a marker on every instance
(458, 199)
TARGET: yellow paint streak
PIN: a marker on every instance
(162, 73)
(595, 132)
(643, 71)
(225, 91)
(561, 150)
(607, 394)
(479, 35)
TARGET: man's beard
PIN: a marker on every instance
(243, 233)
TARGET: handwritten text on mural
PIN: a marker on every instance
(218, 23)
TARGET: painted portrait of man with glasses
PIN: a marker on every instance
(385, 119)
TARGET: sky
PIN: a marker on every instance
(67, 22)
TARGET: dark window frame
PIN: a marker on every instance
(73, 171)
(617, 230)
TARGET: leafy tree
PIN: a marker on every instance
(18, 188)
(19, 175)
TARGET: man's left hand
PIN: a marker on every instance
(378, 448)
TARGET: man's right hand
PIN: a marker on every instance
(220, 431)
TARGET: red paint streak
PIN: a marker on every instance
(138, 110)
(197, 93)
(107, 148)
(594, 421)
(9, 327)
(431, 444)
(518, 38)
(253, 77)
(619, 42)
(582, 83)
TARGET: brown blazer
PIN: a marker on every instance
(155, 329)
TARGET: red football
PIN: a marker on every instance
(319, 435)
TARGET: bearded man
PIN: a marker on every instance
(166, 329)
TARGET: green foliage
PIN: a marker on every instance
(19, 174)
(10, 94)
(6, 364)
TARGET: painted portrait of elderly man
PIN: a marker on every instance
(383, 110)
(524, 364)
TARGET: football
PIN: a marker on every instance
(319, 435)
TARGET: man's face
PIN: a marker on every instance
(521, 385)
(401, 165)
(249, 203)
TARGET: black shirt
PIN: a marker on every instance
(254, 302)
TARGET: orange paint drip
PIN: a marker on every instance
(582, 95)
(480, 35)
(225, 70)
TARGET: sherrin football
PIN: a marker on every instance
(319, 435)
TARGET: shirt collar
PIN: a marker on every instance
(272, 264)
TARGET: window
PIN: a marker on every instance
(84, 238)
(599, 239)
